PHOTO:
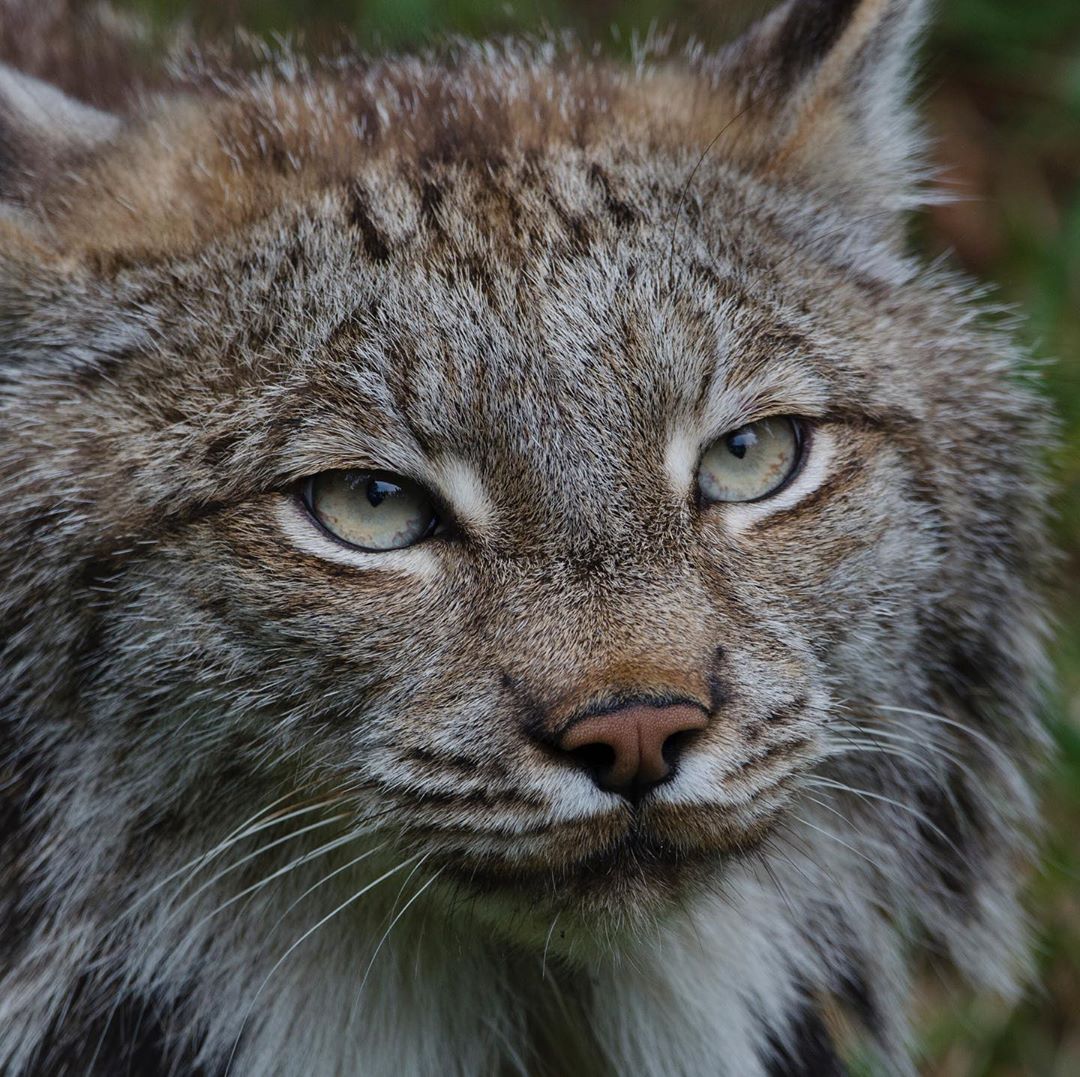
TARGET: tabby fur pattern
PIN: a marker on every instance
(274, 806)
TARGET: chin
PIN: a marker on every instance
(580, 893)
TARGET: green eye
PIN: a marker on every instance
(752, 462)
(372, 510)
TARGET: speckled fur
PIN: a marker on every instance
(272, 803)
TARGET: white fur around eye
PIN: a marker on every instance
(680, 460)
(821, 453)
(420, 560)
(460, 484)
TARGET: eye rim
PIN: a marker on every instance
(438, 526)
(803, 430)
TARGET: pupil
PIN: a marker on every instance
(738, 443)
(378, 491)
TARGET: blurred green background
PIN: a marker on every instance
(1001, 87)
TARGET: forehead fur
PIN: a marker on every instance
(214, 159)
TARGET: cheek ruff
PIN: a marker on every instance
(505, 564)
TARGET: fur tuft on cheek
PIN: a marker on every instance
(599, 773)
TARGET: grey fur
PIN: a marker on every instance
(513, 274)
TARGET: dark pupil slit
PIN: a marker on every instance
(739, 443)
(378, 491)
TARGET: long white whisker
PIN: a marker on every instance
(195, 865)
(303, 938)
(828, 876)
(386, 934)
(238, 834)
(781, 890)
(852, 746)
(840, 815)
(867, 794)
(330, 875)
(875, 732)
(834, 837)
(254, 854)
(300, 861)
(922, 744)
(547, 943)
(975, 734)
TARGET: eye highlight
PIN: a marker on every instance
(752, 462)
(371, 510)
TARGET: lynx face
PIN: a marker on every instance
(484, 469)
(576, 566)
(562, 411)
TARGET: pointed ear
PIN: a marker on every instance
(42, 130)
(824, 85)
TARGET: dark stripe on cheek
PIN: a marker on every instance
(806, 1051)
(374, 242)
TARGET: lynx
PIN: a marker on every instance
(509, 562)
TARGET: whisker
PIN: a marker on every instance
(325, 879)
(353, 835)
(849, 746)
(975, 734)
(834, 837)
(238, 834)
(393, 923)
(303, 938)
(300, 861)
(547, 944)
(689, 182)
(867, 794)
(849, 741)
(875, 732)
(173, 913)
(195, 865)
(830, 879)
(780, 889)
(190, 898)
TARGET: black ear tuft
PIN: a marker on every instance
(808, 33)
(825, 86)
(773, 58)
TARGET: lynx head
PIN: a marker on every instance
(554, 476)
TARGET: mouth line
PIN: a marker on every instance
(635, 858)
(624, 841)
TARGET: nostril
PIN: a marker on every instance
(676, 745)
(597, 758)
(630, 749)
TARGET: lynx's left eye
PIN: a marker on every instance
(371, 510)
(752, 462)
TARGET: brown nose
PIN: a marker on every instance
(631, 749)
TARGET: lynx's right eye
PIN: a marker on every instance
(752, 462)
(371, 510)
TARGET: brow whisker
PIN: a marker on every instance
(689, 181)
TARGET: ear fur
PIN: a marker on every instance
(41, 130)
(824, 86)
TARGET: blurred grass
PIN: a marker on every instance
(1002, 92)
